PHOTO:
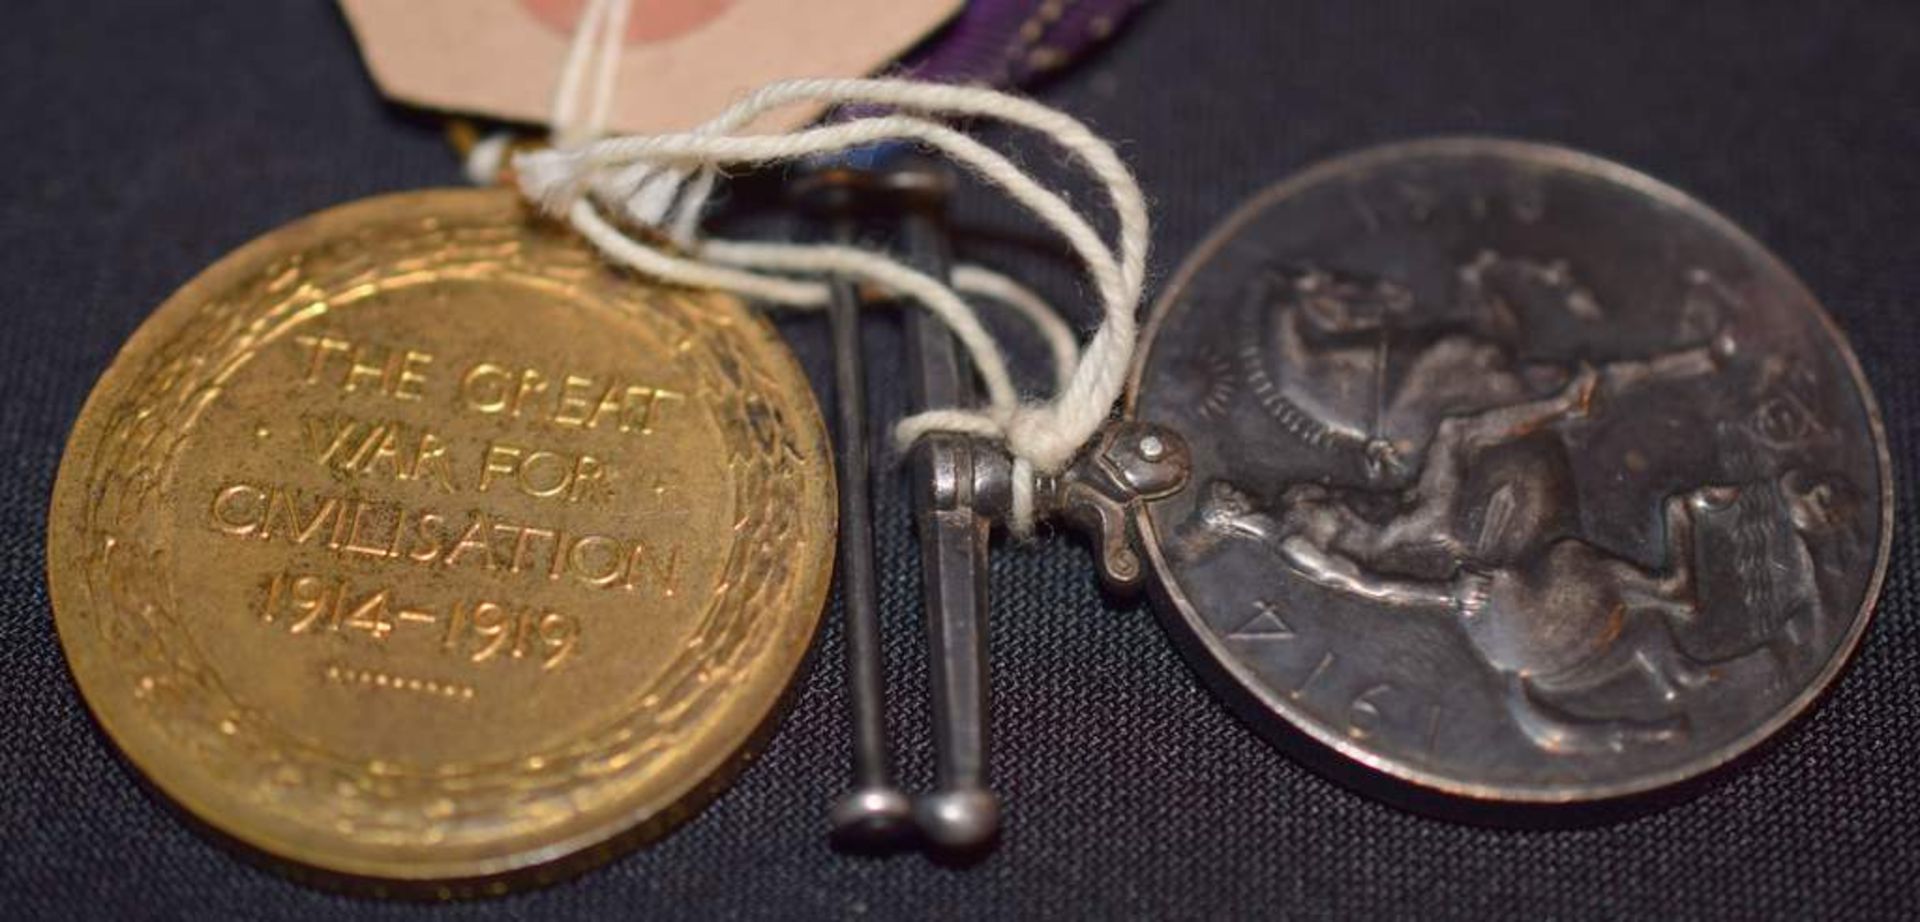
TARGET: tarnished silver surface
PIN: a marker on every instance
(1516, 474)
(961, 485)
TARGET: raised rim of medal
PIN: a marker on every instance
(588, 844)
(1393, 780)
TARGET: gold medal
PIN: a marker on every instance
(411, 542)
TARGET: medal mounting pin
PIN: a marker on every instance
(962, 486)
(958, 488)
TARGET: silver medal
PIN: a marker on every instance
(1472, 472)
(1514, 475)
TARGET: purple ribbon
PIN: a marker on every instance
(1012, 43)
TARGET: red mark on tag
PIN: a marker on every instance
(650, 21)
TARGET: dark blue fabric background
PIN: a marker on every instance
(143, 140)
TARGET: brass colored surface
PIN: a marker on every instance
(411, 542)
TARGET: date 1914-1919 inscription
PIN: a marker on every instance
(478, 630)
(387, 449)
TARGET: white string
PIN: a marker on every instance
(665, 181)
(605, 20)
(986, 283)
(596, 41)
(727, 265)
(613, 32)
(566, 92)
(487, 157)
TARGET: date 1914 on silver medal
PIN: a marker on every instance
(1511, 474)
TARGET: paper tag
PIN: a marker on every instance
(684, 60)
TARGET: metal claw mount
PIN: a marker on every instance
(1130, 464)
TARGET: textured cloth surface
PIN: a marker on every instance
(146, 139)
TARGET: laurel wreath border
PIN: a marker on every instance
(772, 438)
